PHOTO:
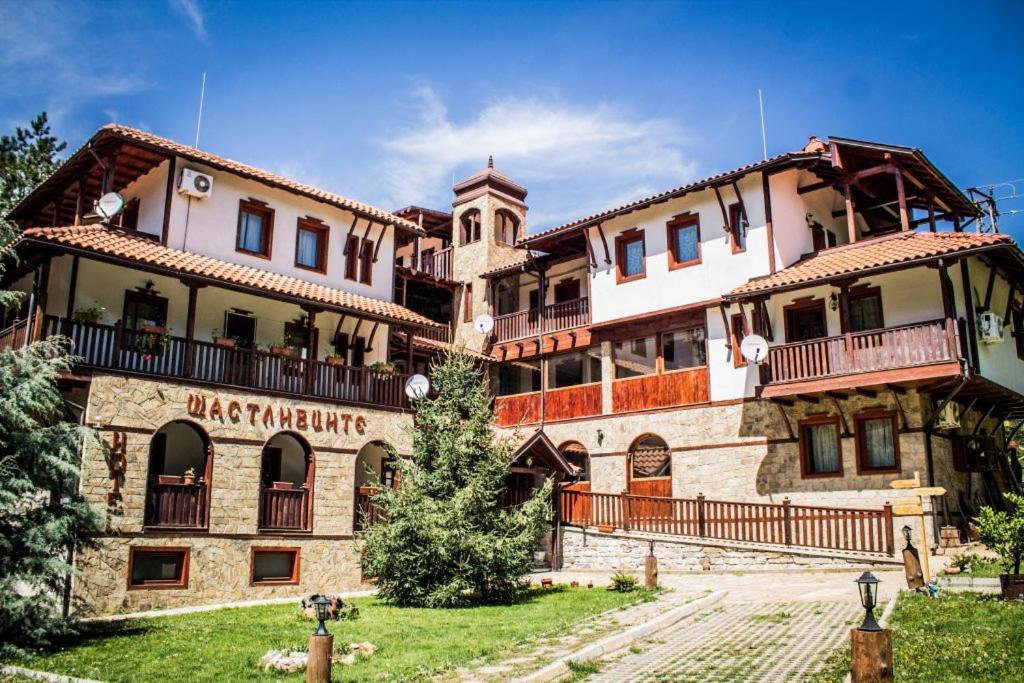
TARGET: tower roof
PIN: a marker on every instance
(489, 180)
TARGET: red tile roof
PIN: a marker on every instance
(118, 245)
(872, 254)
(508, 259)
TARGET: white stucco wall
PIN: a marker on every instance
(999, 362)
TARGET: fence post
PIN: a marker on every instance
(700, 515)
(787, 521)
(890, 546)
(626, 511)
(115, 361)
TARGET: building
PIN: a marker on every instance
(244, 341)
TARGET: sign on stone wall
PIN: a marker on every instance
(273, 416)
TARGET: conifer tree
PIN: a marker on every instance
(445, 539)
(27, 158)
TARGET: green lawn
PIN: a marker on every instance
(411, 643)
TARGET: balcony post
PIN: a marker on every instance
(310, 350)
(851, 221)
(787, 519)
(37, 308)
(72, 289)
(190, 326)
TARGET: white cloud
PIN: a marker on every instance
(194, 14)
(601, 154)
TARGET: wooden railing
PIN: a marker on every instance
(13, 337)
(366, 513)
(675, 388)
(559, 404)
(513, 496)
(860, 530)
(437, 264)
(176, 505)
(284, 509)
(889, 348)
(442, 334)
(557, 317)
(117, 348)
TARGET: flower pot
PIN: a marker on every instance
(225, 342)
(88, 319)
(1012, 585)
(282, 485)
(334, 360)
(188, 481)
(282, 351)
(154, 329)
(168, 479)
(605, 528)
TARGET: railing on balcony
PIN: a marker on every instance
(890, 348)
(437, 264)
(442, 334)
(176, 505)
(13, 337)
(560, 316)
(367, 513)
(284, 509)
(116, 348)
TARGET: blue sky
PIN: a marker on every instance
(587, 104)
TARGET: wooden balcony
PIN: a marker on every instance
(675, 388)
(366, 513)
(13, 337)
(557, 317)
(115, 348)
(176, 506)
(284, 509)
(909, 352)
(436, 265)
(559, 404)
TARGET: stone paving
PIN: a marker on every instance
(741, 641)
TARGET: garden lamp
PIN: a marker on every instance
(321, 603)
(868, 585)
(906, 533)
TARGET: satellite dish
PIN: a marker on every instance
(109, 205)
(754, 348)
(417, 387)
(483, 323)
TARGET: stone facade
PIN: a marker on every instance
(128, 411)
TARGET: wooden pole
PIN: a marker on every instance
(651, 569)
(871, 660)
(318, 666)
(923, 545)
(901, 193)
(851, 221)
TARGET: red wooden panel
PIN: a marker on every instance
(511, 410)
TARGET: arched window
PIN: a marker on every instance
(506, 227)
(375, 469)
(469, 226)
(286, 483)
(178, 481)
(650, 467)
(577, 455)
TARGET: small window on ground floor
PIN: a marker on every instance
(571, 369)
(275, 566)
(158, 567)
(877, 442)
(820, 447)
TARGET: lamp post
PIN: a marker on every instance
(321, 644)
(870, 644)
(651, 568)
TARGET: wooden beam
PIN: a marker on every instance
(351, 229)
(1008, 313)
(373, 333)
(725, 214)
(168, 198)
(988, 289)
(766, 193)
(380, 241)
(902, 195)
(727, 332)
(972, 334)
(869, 393)
(604, 241)
(931, 213)
(190, 327)
(807, 398)
(851, 222)
(842, 417)
(857, 176)
(591, 259)
(839, 395)
(785, 418)
(743, 207)
(899, 406)
(814, 187)
(73, 287)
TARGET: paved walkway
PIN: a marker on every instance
(741, 641)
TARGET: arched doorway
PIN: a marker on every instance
(650, 467)
(576, 508)
(577, 456)
(286, 483)
(178, 478)
(375, 469)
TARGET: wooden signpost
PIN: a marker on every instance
(913, 506)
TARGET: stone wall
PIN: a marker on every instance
(128, 411)
(589, 550)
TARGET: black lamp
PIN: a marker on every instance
(868, 585)
(906, 534)
(321, 604)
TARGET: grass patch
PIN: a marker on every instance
(583, 670)
(412, 643)
(774, 618)
(957, 637)
(987, 568)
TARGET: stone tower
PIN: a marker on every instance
(488, 216)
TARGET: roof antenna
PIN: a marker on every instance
(764, 138)
(199, 120)
(490, 162)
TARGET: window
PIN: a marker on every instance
(255, 228)
(359, 352)
(662, 352)
(572, 369)
(366, 262)
(142, 309)
(805, 320)
(682, 349)
(650, 457)
(241, 327)
(506, 227)
(567, 290)
(629, 255)
(738, 227)
(865, 307)
(820, 447)
(351, 257)
(157, 567)
(274, 566)
(822, 238)
(635, 357)
(467, 303)
(296, 335)
(311, 245)
(878, 447)
(469, 225)
(683, 241)
(518, 377)
(738, 330)
(130, 215)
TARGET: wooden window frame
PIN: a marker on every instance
(292, 580)
(738, 320)
(805, 469)
(365, 268)
(181, 583)
(861, 447)
(352, 248)
(659, 343)
(131, 210)
(683, 220)
(323, 233)
(143, 297)
(798, 305)
(736, 229)
(507, 215)
(471, 234)
(467, 302)
(864, 292)
(622, 240)
(255, 206)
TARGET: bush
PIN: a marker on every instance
(624, 583)
(1003, 532)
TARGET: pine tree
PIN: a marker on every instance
(27, 158)
(445, 539)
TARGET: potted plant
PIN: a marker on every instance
(220, 340)
(168, 479)
(383, 368)
(282, 485)
(189, 477)
(152, 342)
(153, 328)
(89, 314)
(334, 359)
(1003, 532)
(283, 347)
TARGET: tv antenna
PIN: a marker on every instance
(199, 119)
(764, 137)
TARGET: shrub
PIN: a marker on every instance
(1003, 532)
(623, 582)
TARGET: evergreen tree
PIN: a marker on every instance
(445, 539)
(41, 513)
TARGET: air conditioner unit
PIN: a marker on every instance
(990, 327)
(949, 416)
(195, 184)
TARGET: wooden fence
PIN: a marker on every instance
(176, 505)
(284, 509)
(861, 530)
